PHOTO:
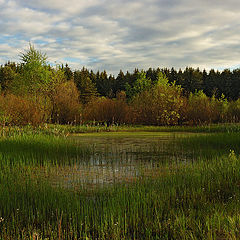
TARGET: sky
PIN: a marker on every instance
(112, 34)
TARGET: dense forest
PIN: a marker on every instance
(34, 92)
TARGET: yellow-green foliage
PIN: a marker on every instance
(35, 73)
(233, 111)
(201, 109)
(161, 105)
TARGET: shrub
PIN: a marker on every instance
(201, 109)
(233, 111)
(161, 105)
(17, 110)
(65, 104)
(108, 110)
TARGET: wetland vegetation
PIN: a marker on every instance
(151, 184)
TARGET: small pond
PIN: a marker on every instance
(119, 157)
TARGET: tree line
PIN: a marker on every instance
(33, 91)
(215, 83)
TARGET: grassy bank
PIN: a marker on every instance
(65, 130)
(183, 200)
(211, 128)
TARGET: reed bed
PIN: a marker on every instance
(183, 200)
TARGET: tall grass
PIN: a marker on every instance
(200, 202)
(43, 149)
(193, 200)
(211, 145)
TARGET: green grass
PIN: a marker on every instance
(63, 130)
(211, 128)
(198, 201)
(211, 145)
(183, 200)
(41, 149)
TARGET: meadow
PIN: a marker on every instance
(120, 182)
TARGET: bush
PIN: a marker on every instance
(233, 111)
(161, 105)
(108, 110)
(17, 110)
(201, 109)
(65, 103)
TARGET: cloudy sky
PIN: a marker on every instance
(124, 34)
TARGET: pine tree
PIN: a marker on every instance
(85, 86)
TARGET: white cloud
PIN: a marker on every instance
(124, 34)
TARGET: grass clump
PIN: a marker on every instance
(42, 149)
(210, 145)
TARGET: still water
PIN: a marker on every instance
(118, 158)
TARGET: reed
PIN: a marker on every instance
(182, 200)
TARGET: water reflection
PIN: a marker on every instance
(116, 160)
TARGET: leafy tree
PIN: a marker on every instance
(19, 110)
(159, 105)
(108, 111)
(141, 84)
(66, 107)
(40, 81)
(233, 111)
(35, 73)
(201, 109)
(162, 80)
